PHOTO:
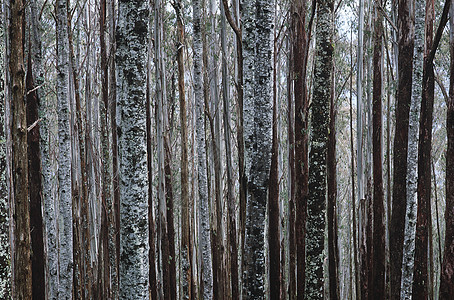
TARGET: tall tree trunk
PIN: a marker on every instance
(35, 188)
(316, 203)
(273, 195)
(333, 253)
(22, 279)
(300, 45)
(378, 271)
(131, 66)
(258, 48)
(403, 100)
(186, 248)
(412, 156)
(447, 271)
(204, 222)
(232, 233)
(65, 230)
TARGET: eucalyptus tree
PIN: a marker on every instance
(131, 58)
(403, 100)
(258, 23)
(204, 217)
(316, 203)
(65, 229)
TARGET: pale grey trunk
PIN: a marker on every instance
(131, 59)
(412, 155)
(65, 232)
(204, 217)
(258, 53)
(359, 104)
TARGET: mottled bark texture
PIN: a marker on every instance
(447, 271)
(301, 167)
(412, 155)
(204, 222)
(65, 223)
(316, 204)
(34, 188)
(131, 55)
(403, 100)
(378, 270)
(258, 50)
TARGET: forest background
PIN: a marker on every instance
(222, 150)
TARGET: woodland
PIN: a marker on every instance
(234, 149)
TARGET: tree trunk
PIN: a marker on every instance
(35, 188)
(378, 271)
(204, 222)
(412, 156)
(258, 48)
(447, 271)
(65, 230)
(131, 66)
(403, 100)
(22, 279)
(316, 203)
(300, 45)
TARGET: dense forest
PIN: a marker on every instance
(203, 149)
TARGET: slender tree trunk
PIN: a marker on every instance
(65, 230)
(412, 156)
(258, 48)
(333, 254)
(317, 156)
(232, 233)
(131, 66)
(378, 271)
(300, 45)
(403, 100)
(204, 222)
(35, 188)
(273, 196)
(186, 248)
(22, 279)
(447, 268)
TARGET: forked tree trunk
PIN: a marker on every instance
(131, 70)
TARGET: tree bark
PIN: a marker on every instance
(131, 69)
(22, 279)
(204, 222)
(316, 203)
(35, 188)
(403, 100)
(447, 268)
(378, 271)
(258, 49)
(65, 230)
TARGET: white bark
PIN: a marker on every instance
(131, 58)
(359, 104)
(65, 232)
(412, 155)
(204, 222)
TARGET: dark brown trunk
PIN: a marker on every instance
(331, 205)
(22, 279)
(378, 271)
(273, 199)
(403, 99)
(300, 44)
(35, 187)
